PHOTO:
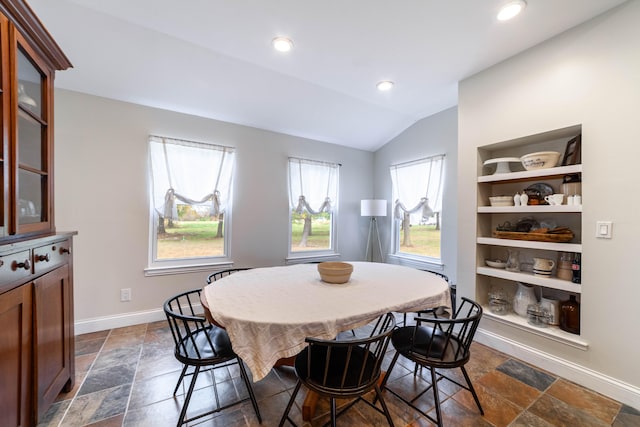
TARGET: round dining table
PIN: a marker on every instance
(268, 312)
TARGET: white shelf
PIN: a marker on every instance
(553, 333)
(538, 173)
(530, 209)
(547, 282)
(527, 244)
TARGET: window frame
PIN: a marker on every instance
(294, 257)
(156, 267)
(395, 254)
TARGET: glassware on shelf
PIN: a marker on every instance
(564, 272)
(537, 315)
(570, 315)
(525, 296)
(552, 305)
(498, 302)
(513, 260)
(575, 266)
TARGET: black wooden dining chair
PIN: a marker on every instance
(438, 343)
(199, 344)
(344, 369)
(435, 310)
(224, 273)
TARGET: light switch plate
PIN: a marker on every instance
(603, 229)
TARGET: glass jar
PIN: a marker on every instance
(570, 315)
(498, 303)
(537, 316)
(564, 271)
(513, 260)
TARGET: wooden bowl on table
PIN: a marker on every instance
(335, 272)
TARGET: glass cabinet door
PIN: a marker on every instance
(32, 204)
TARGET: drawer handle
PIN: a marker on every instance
(65, 251)
(16, 265)
(42, 257)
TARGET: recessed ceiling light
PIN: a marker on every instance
(385, 85)
(282, 44)
(511, 9)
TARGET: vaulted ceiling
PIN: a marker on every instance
(213, 58)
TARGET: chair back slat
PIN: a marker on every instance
(190, 330)
(446, 340)
(224, 273)
(201, 346)
(349, 366)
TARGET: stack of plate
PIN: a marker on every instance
(501, 200)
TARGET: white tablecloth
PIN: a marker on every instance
(268, 312)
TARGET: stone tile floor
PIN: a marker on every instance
(126, 377)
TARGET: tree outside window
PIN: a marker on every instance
(417, 195)
(313, 195)
(190, 196)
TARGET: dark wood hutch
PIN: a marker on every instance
(36, 264)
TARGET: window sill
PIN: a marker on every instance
(183, 269)
(422, 263)
(302, 259)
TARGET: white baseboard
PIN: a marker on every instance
(596, 381)
(95, 324)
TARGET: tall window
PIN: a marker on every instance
(313, 198)
(191, 199)
(417, 195)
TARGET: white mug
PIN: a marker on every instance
(554, 199)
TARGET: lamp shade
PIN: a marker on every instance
(373, 208)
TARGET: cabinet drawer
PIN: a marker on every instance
(15, 266)
(51, 255)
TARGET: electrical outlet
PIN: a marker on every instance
(125, 294)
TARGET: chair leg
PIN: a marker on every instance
(333, 412)
(252, 395)
(436, 396)
(389, 369)
(183, 412)
(384, 406)
(471, 389)
(285, 415)
(184, 371)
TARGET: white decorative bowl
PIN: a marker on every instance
(496, 264)
(540, 160)
(501, 200)
(335, 271)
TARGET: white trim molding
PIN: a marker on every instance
(596, 381)
(95, 324)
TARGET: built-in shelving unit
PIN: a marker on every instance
(488, 247)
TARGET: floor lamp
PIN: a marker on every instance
(373, 208)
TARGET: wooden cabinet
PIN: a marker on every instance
(37, 334)
(15, 360)
(30, 58)
(53, 337)
(36, 268)
(491, 280)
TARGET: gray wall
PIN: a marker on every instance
(436, 134)
(101, 191)
(589, 76)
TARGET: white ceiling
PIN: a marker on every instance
(213, 58)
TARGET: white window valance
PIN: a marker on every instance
(193, 173)
(313, 185)
(417, 187)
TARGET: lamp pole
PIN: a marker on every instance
(373, 209)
